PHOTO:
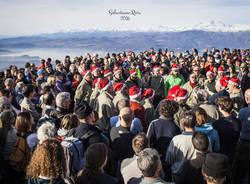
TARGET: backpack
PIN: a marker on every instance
(76, 150)
(20, 155)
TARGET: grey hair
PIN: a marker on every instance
(148, 162)
(19, 86)
(61, 98)
(202, 95)
(8, 81)
(4, 103)
(45, 131)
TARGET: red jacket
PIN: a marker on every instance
(139, 112)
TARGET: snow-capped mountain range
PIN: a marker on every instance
(214, 26)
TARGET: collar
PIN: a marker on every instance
(163, 117)
(187, 133)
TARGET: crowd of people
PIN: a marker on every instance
(151, 117)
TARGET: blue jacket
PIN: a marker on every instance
(212, 134)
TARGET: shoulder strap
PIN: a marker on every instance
(74, 145)
(87, 135)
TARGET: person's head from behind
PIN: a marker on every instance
(84, 112)
(224, 103)
(200, 141)
(48, 160)
(69, 121)
(63, 100)
(9, 83)
(49, 99)
(7, 120)
(215, 168)
(168, 108)
(140, 142)
(188, 120)
(46, 131)
(96, 159)
(126, 117)
(4, 103)
(121, 104)
(149, 162)
(24, 122)
(201, 116)
(28, 91)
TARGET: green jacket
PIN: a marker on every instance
(172, 81)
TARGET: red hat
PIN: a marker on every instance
(234, 81)
(172, 92)
(175, 67)
(148, 93)
(85, 73)
(222, 83)
(107, 73)
(104, 84)
(96, 82)
(221, 70)
(210, 71)
(93, 69)
(156, 68)
(117, 70)
(119, 87)
(226, 78)
(181, 94)
(130, 52)
(133, 72)
(196, 67)
(134, 92)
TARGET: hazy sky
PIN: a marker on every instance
(22, 17)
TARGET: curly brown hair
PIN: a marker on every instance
(168, 108)
(48, 160)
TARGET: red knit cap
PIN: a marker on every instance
(117, 70)
(172, 92)
(148, 93)
(134, 92)
(104, 84)
(133, 72)
(118, 87)
(85, 73)
(93, 69)
(107, 73)
(234, 81)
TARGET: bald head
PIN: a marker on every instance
(126, 116)
(247, 96)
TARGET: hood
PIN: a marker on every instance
(206, 128)
(62, 132)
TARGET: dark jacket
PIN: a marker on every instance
(121, 138)
(83, 128)
(228, 129)
(160, 133)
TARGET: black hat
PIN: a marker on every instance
(82, 109)
(216, 165)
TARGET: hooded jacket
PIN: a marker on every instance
(212, 134)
